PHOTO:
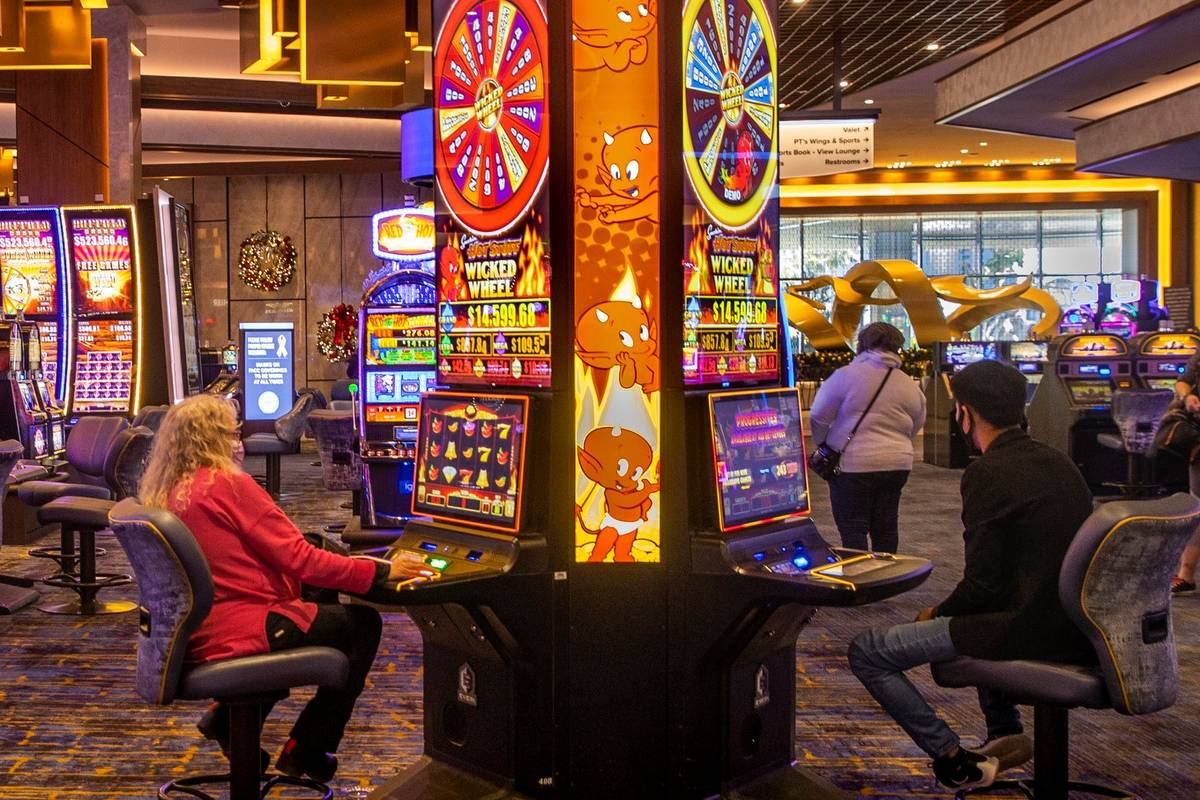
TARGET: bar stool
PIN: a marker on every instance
(1138, 414)
(284, 439)
(176, 593)
(85, 517)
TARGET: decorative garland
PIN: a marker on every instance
(267, 261)
(337, 333)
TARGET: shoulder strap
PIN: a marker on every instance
(867, 410)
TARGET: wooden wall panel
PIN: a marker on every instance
(325, 289)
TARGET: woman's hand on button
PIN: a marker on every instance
(409, 565)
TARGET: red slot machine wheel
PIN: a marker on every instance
(731, 114)
(493, 148)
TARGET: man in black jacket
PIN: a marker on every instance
(1022, 504)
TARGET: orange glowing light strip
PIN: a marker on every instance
(1161, 188)
(712, 428)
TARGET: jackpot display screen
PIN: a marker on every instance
(399, 338)
(1090, 393)
(30, 253)
(1028, 351)
(471, 459)
(103, 365)
(758, 452)
(731, 208)
(962, 354)
(101, 250)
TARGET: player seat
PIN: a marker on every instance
(176, 594)
(285, 439)
(1115, 586)
(1138, 414)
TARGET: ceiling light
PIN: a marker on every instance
(798, 2)
(899, 164)
(1045, 162)
(932, 46)
(983, 144)
(844, 84)
(997, 162)
(784, 105)
(964, 151)
(952, 163)
(869, 102)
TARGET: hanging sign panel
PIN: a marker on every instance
(731, 207)
(492, 158)
(812, 147)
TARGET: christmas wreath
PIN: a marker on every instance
(337, 333)
(267, 261)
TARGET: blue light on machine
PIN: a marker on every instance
(801, 562)
(1106, 371)
(759, 556)
(1181, 368)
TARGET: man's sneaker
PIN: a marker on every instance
(1011, 751)
(965, 770)
(208, 727)
(298, 762)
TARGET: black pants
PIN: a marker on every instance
(353, 629)
(867, 505)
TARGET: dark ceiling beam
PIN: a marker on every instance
(232, 94)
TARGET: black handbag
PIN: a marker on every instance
(1178, 434)
(824, 460)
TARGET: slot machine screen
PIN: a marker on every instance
(104, 365)
(1161, 384)
(399, 339)
(1170, 368)
(394, 396)
(471, 459)
(1028, 351)
(30, 249)
(58, 438)
(1090, 393)
(758, 452)
(27, 394)
(102, 255)
(960, 355)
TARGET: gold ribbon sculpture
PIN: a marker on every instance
(920, 296)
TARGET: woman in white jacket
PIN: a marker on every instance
(876, 462)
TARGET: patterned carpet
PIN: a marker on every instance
(71, 726)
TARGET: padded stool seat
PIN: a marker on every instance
(273, 672)
(258, 444)
(91, 512)
(39, 493)
(1111, 440)
(1028, 682)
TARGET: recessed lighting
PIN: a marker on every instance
(1045, 162)
(798, 2)
(784, 105)
(844, 84)
(983, 144)
(997, 162)
(932, 46)
(869, 102)
(951, 163)
(899, 164)
(964, 151)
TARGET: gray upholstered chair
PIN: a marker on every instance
(341, 466)
(1115, 586)
(85, 517)
(341, 390)
(15, 592)
(150, 417)
(284, 439)
(88, 448)
(1138, 414)
(176, 594)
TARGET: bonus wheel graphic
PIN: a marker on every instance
(730, 113)
(490, 112)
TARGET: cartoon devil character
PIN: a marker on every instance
(737, 183)
(612, 33)
(619, 333)
(629, 175)
(617, 460)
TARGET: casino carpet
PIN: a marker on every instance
(71, 725)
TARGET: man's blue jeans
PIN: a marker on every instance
(879, 657)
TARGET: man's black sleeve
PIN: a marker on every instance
(984, 585)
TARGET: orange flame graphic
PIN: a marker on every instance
(696, 263)
(531, 262)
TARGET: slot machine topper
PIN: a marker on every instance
(1072, 404)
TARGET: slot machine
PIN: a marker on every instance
(181, 329)
(1072, 404)
(43, 390)
(117, 354)
(21, 415)
(1030, 359)
(1160, 358)
(35, 285)
(945, 445)
(396, 362)
(227, 384)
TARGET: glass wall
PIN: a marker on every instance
(1057, 249)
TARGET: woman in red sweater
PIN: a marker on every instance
(258, 560)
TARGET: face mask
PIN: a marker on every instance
(239, 453)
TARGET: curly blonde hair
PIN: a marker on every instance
(195, 433)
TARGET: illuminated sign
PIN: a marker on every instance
(267, 368)
(103, 366)
(1095, 346)
(406, 234)
(30, 257)
(101, 247)
(731, 207)
(493, 148)
(1170, 344)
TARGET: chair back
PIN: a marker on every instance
(89, 443)
(1138, 414)
(341, 469)
(10, 453)
(175, 593)
(290, 426)
(1115, 585)
(341, 389)
(151, 417)
(127, 459)
(319, 402)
